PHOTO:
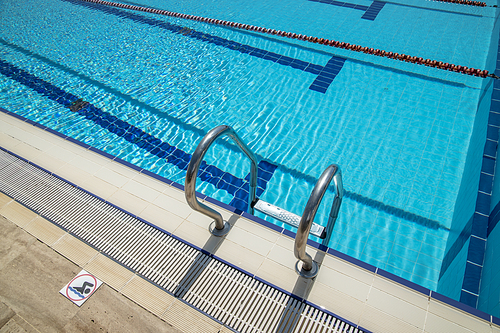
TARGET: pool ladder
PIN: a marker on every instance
(305, 266)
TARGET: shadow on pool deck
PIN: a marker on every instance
(31, 275)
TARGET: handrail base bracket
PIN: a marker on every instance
(219, 233)
(311, 274)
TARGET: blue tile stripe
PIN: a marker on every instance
(241, 197)
(482, 223)
(327, 75)
(413, 218)
(371, 11)
(235, 46)
(220, 179)
(342, 4)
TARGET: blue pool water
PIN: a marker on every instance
(155, 84)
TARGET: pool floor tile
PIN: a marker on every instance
(338, 302)
(282, 256)
(112, 177)
(197, 235)
(95, 185)
(402, 292)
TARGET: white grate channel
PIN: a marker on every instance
(238, 300)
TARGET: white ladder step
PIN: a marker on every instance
(287, 217)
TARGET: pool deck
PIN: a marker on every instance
(363, 297)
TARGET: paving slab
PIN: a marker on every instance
(30, 279)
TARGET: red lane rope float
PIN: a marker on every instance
(465, 2)
(357, 48)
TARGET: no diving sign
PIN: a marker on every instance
(81, 288)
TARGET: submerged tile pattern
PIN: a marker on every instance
(371, 11)
(326, 74)
(235, 186)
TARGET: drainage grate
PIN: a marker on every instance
(238, 300)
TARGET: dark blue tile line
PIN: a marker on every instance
(371, 11)
(315, 69)
(241, 197)
(327, 75)
(361, 7)
(482, 222)
(242, 48)
(342, 4)
(173, 155)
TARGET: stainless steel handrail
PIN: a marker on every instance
(220, 228)
(309, 268)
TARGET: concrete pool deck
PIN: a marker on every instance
(32, 275)
(361, 296)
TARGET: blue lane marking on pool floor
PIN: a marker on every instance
(378, 205)
(235, 186)
(327, 75)
(235, 46)
(371, 11)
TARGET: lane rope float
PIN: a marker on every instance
(465, 2)
(342, 45)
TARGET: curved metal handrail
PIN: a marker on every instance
(221, 227)
(309, 268)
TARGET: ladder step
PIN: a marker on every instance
(286, 217)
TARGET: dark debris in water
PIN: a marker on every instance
(78, 105)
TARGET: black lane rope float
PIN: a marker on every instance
(465, 2)
(357, 48)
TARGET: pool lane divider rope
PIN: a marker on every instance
(464, 2)
(357, 48)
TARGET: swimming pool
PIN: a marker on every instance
(399, 131)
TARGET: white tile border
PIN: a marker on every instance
(359, 294)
